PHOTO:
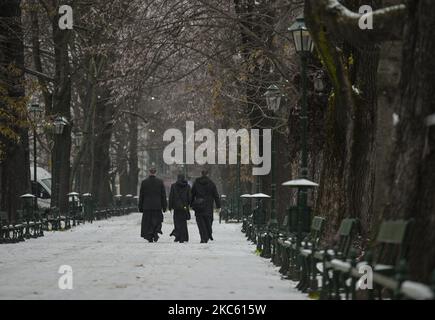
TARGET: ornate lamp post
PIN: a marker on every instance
(59, 125)
(273, 99)
(36, 111)
(304, 46)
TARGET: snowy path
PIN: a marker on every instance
(110, 261)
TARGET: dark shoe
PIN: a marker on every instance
(211, 238)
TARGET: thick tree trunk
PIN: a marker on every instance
(61, 107)
(360, 168)
(14, 153)
(388, 101)
(101, 188)
(348, 178)
(133, 159)
(413, 180)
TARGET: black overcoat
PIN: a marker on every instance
(152, 195)
(152, 201)
(205, 189)
(179, 199)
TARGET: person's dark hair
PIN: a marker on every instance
(181, 177)
(153, 171)
(204, 172)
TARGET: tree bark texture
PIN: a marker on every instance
(14, 162)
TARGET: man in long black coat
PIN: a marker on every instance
(179, 200)
(204, 195)
(152, 203)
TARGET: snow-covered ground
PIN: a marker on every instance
(110, 261)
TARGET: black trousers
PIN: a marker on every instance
(151, 224)
(204, 222)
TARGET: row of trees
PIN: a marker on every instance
(212, 61)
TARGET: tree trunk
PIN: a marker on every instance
(101, 188)
(14, 152)
(413, 179)
(388, 100)
(133, 159)
(61, 107)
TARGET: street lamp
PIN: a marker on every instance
(304, 45)
(36, 111)
(273, 99)
(301, 36)
(59, 125)
(319, 84)
(78, 138)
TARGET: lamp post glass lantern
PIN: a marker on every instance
(301, 36)
(78, 138)
(59, 125)
(35, 110)
(273, 98)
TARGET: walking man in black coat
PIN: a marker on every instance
(179, 201)
(152, 201)
(204, 195)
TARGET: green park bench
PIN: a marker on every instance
(276, 247)
(285, 239)
(33, 223)
(23, 219)
(308, 246)
(386, 257)
(40, 222)
(6, 229)
(349, 229)
(12, 231)
(292, 261)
